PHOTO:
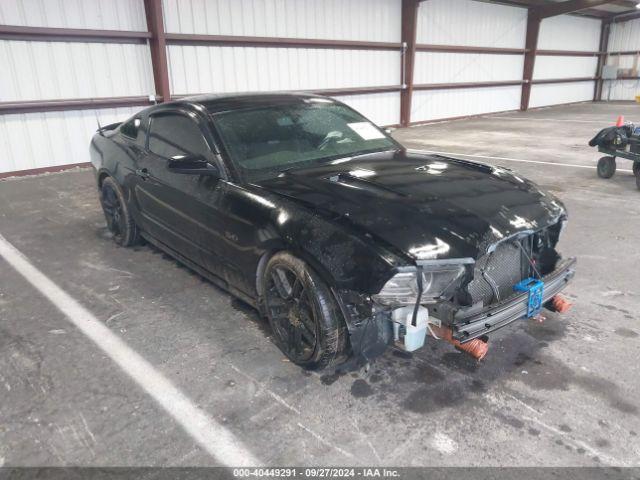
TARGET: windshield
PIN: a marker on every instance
(265, 141)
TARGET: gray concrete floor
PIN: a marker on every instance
(560, 393)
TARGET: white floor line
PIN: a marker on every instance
(557, 164)
(211, 436)
(604, 123)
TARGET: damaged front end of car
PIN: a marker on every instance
(461, 300)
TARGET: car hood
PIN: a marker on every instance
(421, 205)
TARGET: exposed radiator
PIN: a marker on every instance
(496, 273)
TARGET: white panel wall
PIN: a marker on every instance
(625, 36)
(199, 69)
(469, 23)
(381, 108)
(565, 32)
(36, 140)
(94, 14)
(466, 22)
(564, 67)
(59, 70)
(441, 67)
(374, 20)
(557, 93)
(39, 70)
(621, 90)
(438, 104)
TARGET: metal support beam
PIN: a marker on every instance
(568, 6)
(531, 45)
(71, 104)
(46, 34)
(408, 32)
(602, 60)
(277, 42)
(588, 12)
(625, 17)
(155, 25)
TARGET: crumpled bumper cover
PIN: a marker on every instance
(469, 324)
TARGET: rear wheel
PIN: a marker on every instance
(638, 181)
(606, 167)
(636, 168)
(119, 221)
(307, 324)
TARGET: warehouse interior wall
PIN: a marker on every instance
(206, 68)
(623, 37)
(43, 70)
(572, 34)
(471, 24)
(367, 76)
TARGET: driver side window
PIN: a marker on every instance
(173, 134)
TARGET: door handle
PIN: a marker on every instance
(143, 173)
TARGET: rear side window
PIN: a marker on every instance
(131, 128)
(175, 134)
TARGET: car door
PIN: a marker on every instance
(177, 209)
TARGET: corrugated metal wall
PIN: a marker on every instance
(569, 33)
(49, 139)
(94, 14)
(438, 104)
(466, 22)
(374, 20)
(624, 36)
(558, 93)
(197, 69)
(56, 70)
(49, 70)
(476, 24)
(41, 70)
(622, 89)
(382, 108)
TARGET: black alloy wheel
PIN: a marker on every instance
(119, 221)
(306, 323)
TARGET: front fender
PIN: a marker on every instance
(345, 258)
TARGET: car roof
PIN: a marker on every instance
(222, 102)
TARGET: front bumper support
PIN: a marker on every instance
(468, 325)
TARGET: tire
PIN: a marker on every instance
(116, 212)
(638, 181)
(306, 322)
(636, 168)
(606, 167)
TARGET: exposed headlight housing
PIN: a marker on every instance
(438, 277)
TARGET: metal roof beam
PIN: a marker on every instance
(569, 6)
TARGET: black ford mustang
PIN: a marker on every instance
(345, 240)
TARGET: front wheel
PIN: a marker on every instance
(606, 167)
(307, 324)
(636, 168)
(119, 221)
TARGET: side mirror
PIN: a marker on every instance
(389, 130)
(192, 165)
